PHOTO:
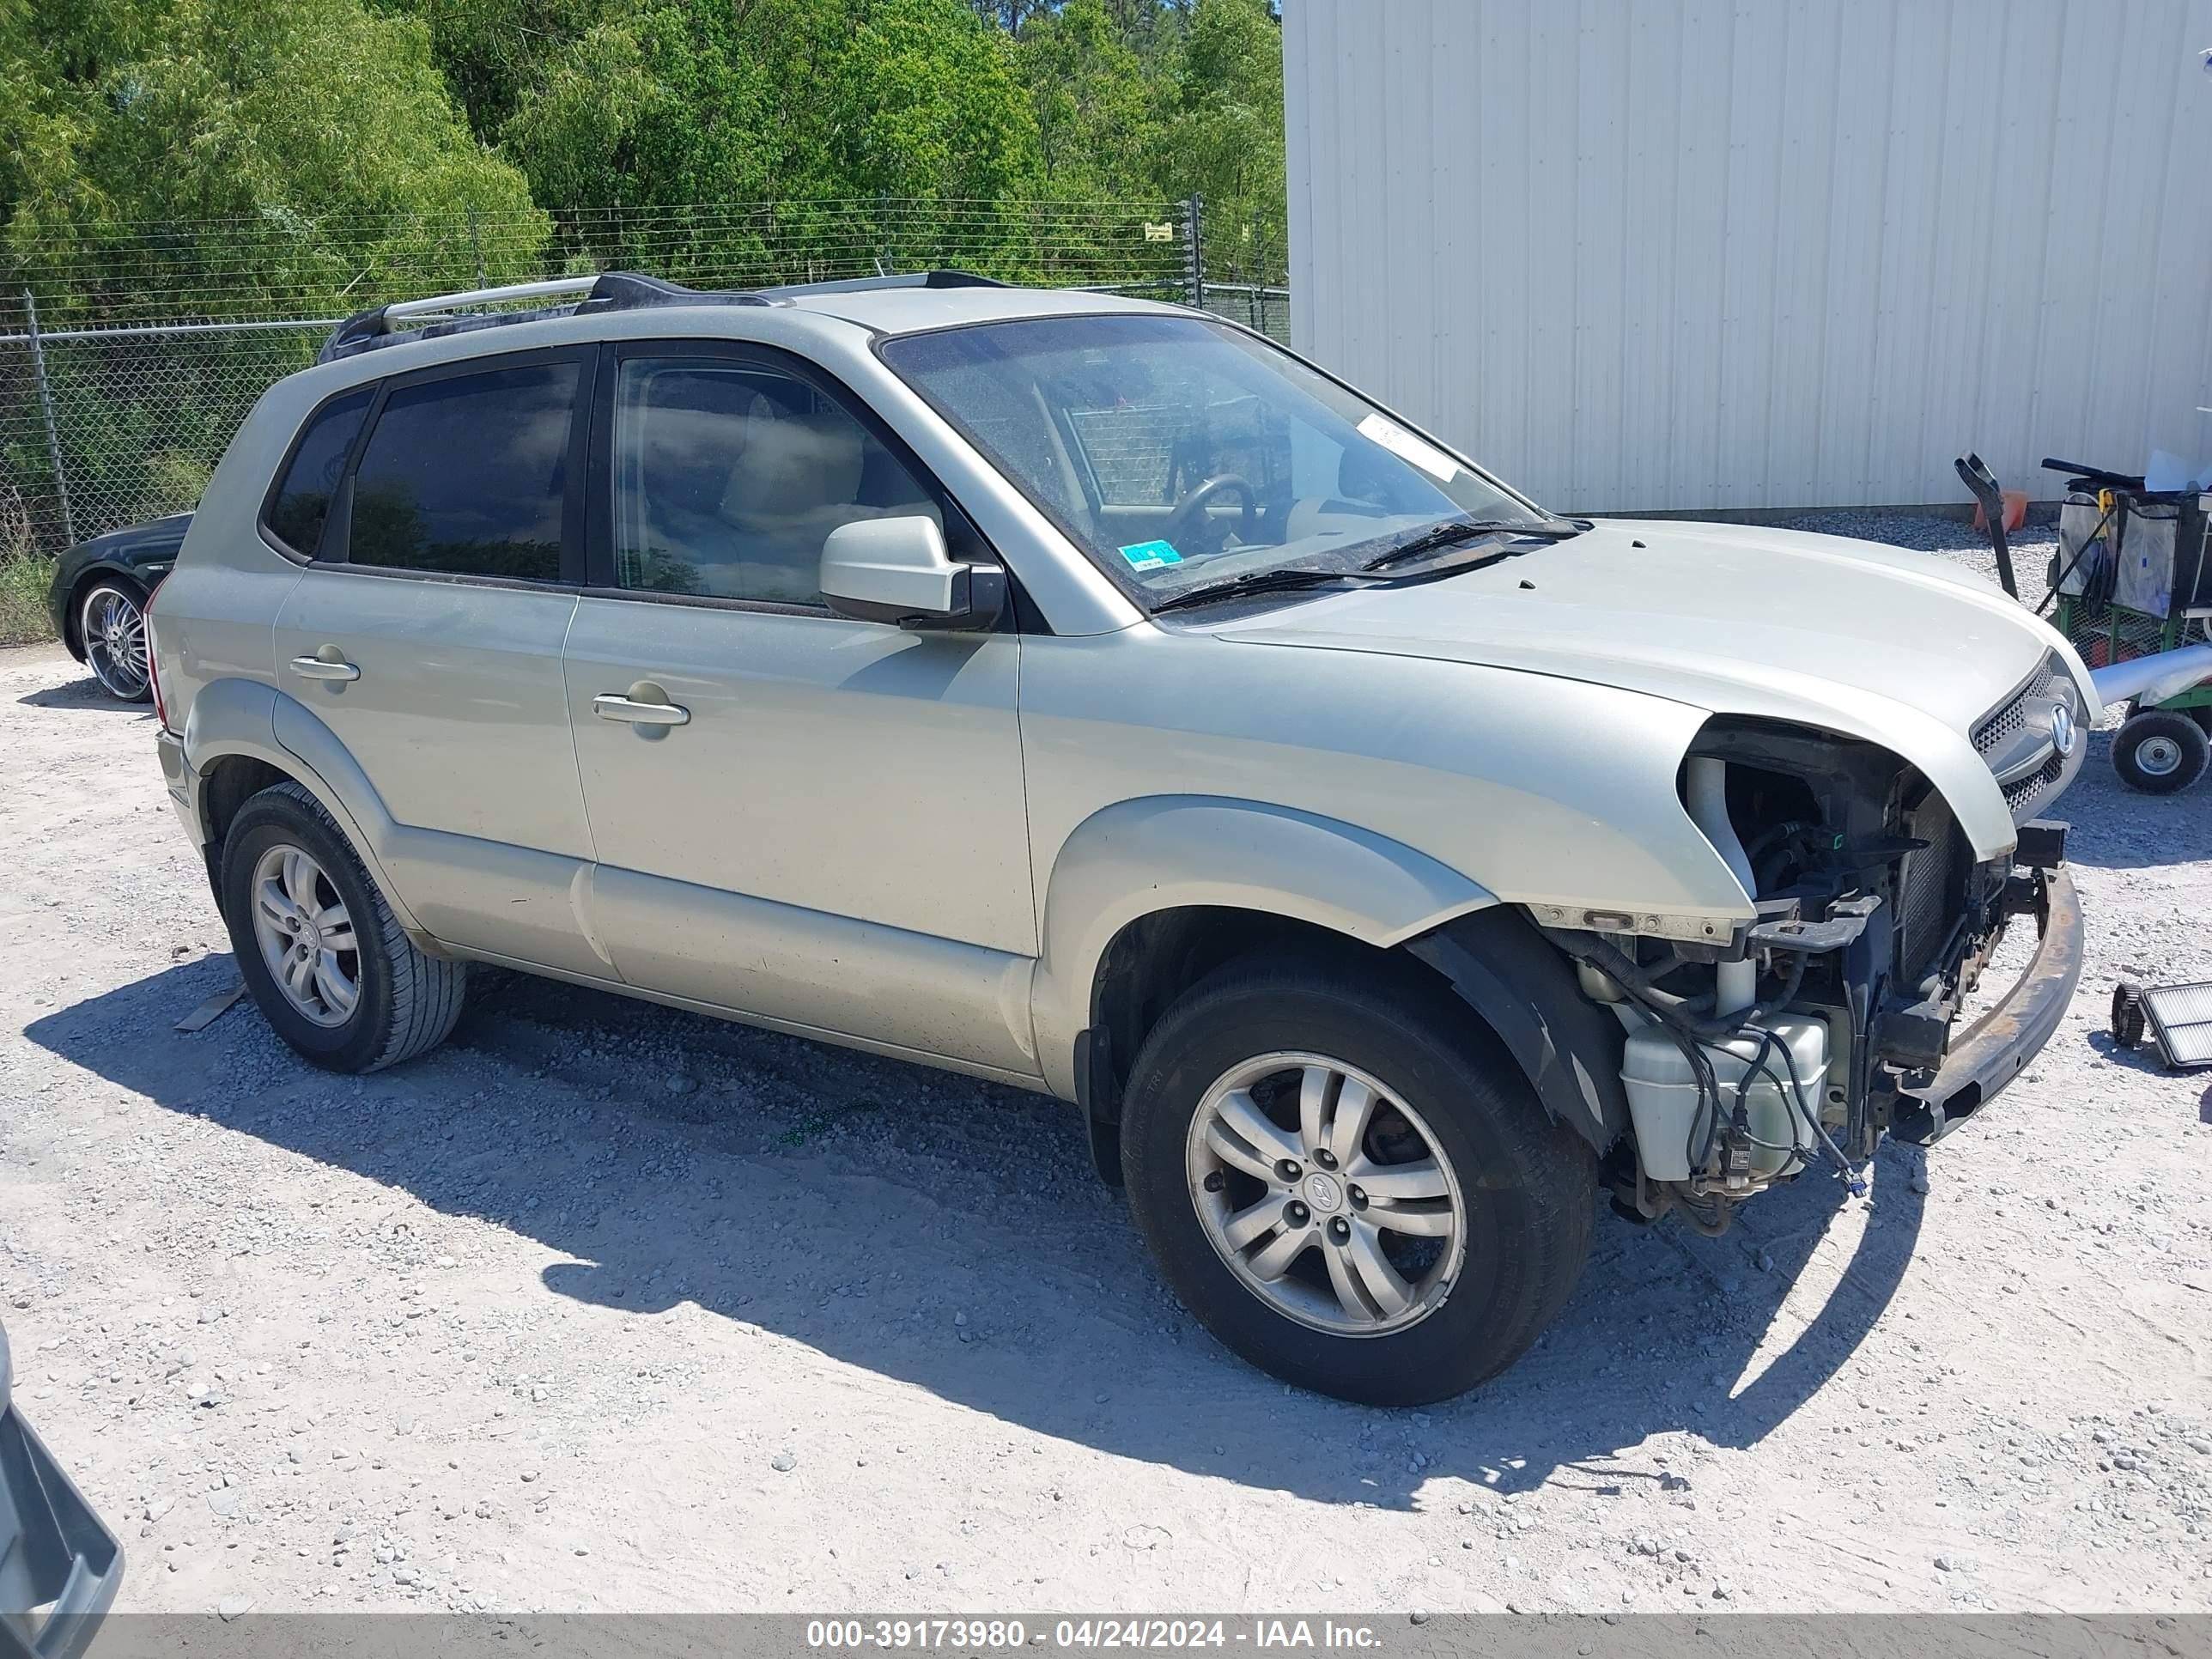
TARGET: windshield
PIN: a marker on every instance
(1180, 453)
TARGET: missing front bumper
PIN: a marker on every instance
(1998, 1046)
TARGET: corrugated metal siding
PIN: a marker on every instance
(1684, 254)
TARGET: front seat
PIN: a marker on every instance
(795, 480)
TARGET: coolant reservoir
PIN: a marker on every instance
(1662, 1094)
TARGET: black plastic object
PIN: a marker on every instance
(2128, 1014)
(1981, 484)
(2042, 843)
(55, 1554)
(2095, 477)
(945, 278)
(1998, 1046)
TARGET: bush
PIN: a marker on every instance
(24, 574)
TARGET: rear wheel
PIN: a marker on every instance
(1353, 1186)
(317, 946)
(111, 623)
(2160, 752)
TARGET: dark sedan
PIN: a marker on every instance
(98, 600)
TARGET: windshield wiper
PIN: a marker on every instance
(1452, 532)
(1256, 582)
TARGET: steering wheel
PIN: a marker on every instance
(1188, 508)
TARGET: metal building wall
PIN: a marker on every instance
(1690, 254)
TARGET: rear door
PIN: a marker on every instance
(804, 817)
(427, 635)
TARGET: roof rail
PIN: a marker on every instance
(940, 278)
(431, 317)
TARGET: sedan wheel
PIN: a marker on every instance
(111, 623)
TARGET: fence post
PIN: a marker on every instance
(46, 409)
(1194, 251)
(476, 247)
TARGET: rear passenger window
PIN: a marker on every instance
(302, 500)
(466, 474)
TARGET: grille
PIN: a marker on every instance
(1928, 885)
(2022, 792)
(1993, 731)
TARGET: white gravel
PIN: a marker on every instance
(602, 1306)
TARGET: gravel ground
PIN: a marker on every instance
(603, 1306)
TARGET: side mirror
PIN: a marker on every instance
(895, 570)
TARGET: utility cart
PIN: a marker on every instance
(2132, 582)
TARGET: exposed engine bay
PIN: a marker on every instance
(1824, 1021)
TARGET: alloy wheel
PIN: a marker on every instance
(1326, 1195)
(306, 937)
(112, 626)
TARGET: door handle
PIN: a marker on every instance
(614, 706)
(325, 668)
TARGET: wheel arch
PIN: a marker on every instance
(1150, 896)
(81, 585)
(233, 751)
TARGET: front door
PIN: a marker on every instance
(815, 821)
(427, 635)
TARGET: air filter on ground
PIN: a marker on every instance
(2178, 1018)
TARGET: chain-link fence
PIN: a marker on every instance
(128, 357)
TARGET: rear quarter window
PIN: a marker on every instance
(300, 503)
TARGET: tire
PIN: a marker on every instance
(403, 1001)
(2128, 1019)
(2160, 752)
(1524, 1187)
(111, 627)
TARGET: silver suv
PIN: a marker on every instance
(1090, 694)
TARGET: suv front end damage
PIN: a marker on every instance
(1833, 1015)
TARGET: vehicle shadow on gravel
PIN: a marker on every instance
(950, 1235)
(87, 693)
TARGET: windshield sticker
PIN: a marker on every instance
(1407, 447)
(1150, 556)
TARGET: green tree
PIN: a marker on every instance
(1095, 106)
(311, 144)
(1221, 131)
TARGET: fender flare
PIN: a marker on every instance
(247, 718)
(1156, 853)
(1570, 1048)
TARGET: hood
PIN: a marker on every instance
(1733, 618)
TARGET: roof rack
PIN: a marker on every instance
(614, 290)
(943, 277)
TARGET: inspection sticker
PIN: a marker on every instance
(1150, 556)
(1407, 447)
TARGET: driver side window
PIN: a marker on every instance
(729, 477)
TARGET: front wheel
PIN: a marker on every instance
(1350, 1184)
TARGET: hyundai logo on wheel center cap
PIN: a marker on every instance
(1322, 1191)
